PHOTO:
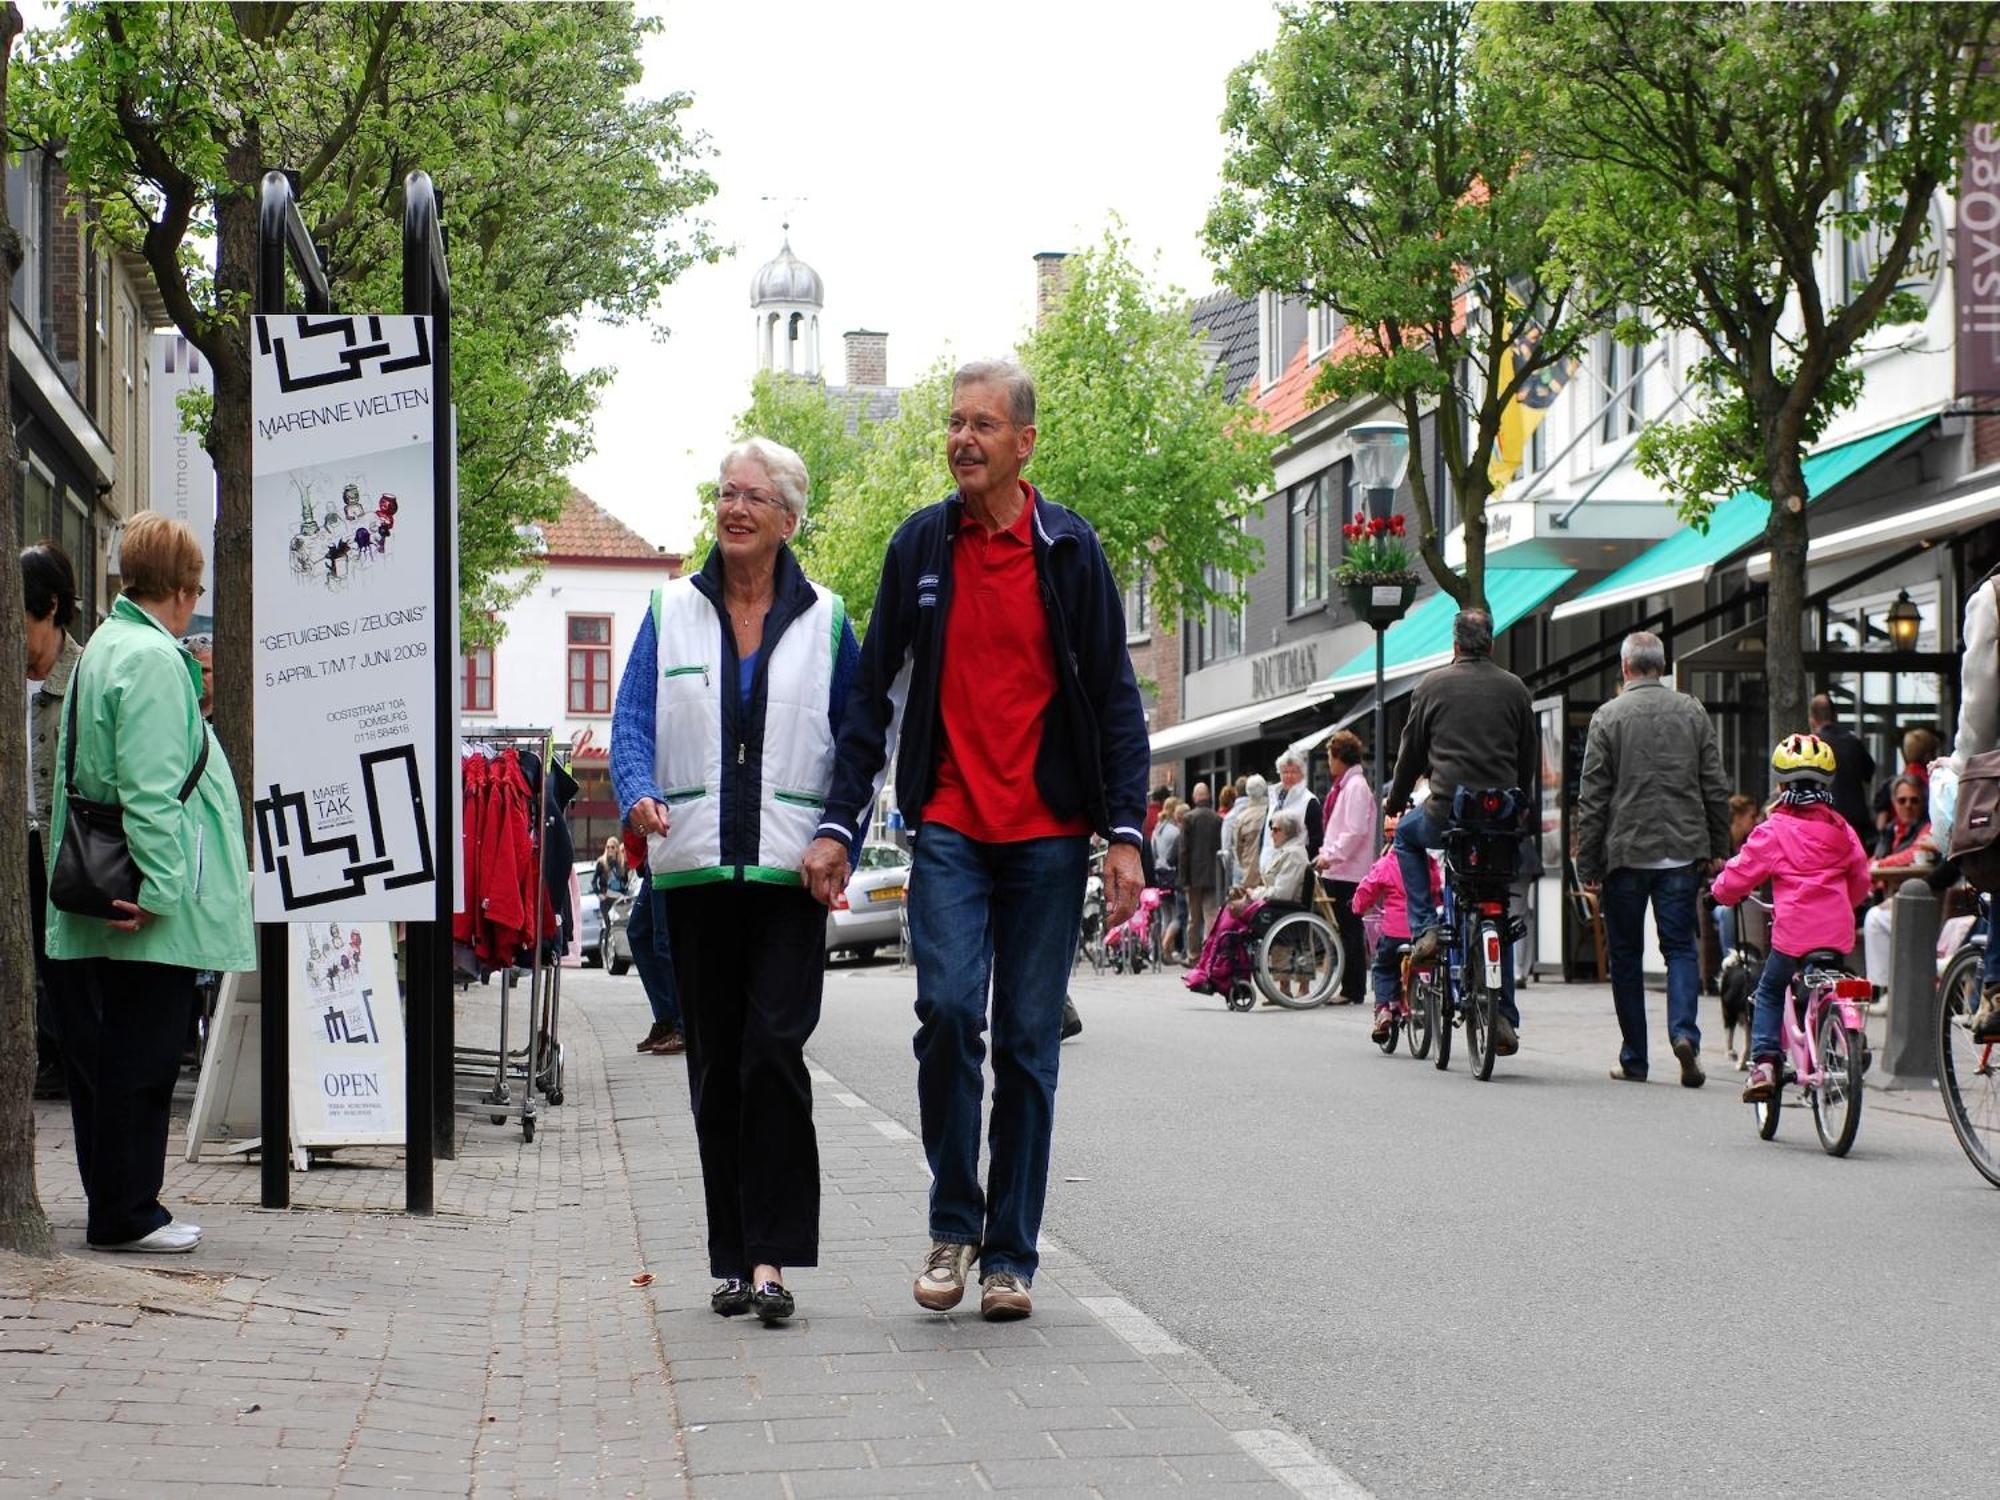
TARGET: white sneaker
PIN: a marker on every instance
(172, 1238)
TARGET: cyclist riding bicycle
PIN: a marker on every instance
(1471, 725)
(1818, 873)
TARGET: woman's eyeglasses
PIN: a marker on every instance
(756, 499)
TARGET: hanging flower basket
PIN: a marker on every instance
(1375, 575)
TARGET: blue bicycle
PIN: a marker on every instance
(1467, 984)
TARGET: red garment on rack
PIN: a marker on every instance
(503, 873)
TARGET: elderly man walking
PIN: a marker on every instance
(1652, 815)
(1022, 734)
(1201, 866)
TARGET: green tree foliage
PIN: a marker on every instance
(1374, 170)
(565, 192)
(1135, 434)
(1717, 150)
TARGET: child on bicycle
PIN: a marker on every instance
(1819, 875)
(1384, 883)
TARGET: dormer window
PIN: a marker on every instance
(1270, 339)
(1323, 326)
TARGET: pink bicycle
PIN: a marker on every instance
(1824, 1052)
(1135, 942)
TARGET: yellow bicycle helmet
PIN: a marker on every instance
(1803, 757)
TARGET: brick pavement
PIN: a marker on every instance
(500, 1348)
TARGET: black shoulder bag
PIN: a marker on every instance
(93, 863)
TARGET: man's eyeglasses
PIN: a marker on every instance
(1909, 802)
(756, 499)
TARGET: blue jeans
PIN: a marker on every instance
(1673, 894)
(1725, 928)
(1387, 970)
(1773, 990)
(1417, 833)
(653, 957)
(1002, 917)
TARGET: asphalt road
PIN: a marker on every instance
(1549, 1284)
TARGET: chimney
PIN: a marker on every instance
(867, 357)
(1048, 282)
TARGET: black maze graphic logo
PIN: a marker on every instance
(316, 351)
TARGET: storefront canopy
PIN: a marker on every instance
(1689, 556)
(1233, 726)
(1421, 640)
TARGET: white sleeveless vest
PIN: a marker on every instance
(692, 765)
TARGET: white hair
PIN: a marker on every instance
(1291, 758)
(1256, 787)
(786, 469)
(1289, 823)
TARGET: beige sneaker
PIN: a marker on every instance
(1003, 1297)
(942, 1284)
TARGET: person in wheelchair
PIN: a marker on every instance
(1225, 956)
(1471, 725)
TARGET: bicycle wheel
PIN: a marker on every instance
(1423, 1006)
(1479, 1032)
(1766, 1112)
(1836, 1102)
(1298, 961)
(1441, 1019)
(1388, 1043)
(1968, 1071)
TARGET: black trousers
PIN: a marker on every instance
(1353, 940)
(751, 960)
(121, 1025)
(48, 1051)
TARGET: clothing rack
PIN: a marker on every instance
(488, 1077)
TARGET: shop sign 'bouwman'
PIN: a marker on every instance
(344, 618)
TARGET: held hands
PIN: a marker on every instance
(825, 869)
(649, 816)
(1122, 880)
(135, 917)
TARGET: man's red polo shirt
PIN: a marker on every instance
(994, 688)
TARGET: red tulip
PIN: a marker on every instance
(1377, 526)
(1396, 526)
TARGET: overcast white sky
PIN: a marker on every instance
(937, 148)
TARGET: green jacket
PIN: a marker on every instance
(139, 729)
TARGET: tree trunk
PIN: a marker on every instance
(1784, 652)
(229, 447)
(1472, 510)
(23, 1225)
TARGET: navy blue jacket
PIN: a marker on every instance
(1095, 751)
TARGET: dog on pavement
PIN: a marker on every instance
(1737, 983)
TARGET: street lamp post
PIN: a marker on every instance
(1381, 452)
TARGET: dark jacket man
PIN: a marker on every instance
(1201, 848)
(1471, 724)
(1853, 770)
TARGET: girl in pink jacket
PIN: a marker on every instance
(1819, 875)
(1384, 884)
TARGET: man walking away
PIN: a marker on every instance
(1652, 820)
(1201, 855)
(1853, 770)
(1022, 734)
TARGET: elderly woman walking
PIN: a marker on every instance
(722, 748)
(1346, 855)
(133, 737)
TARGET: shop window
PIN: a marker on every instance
(476, 690)
(590, 664)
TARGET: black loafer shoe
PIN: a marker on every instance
(1505, 1042)
(772, 1303)
(731, 1298)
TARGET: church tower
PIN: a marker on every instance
(786, 298)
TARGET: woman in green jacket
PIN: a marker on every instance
(126, 985)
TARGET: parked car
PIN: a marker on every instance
(589, 920)
(867, 916)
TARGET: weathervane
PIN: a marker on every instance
(788, 204)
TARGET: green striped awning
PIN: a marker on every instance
(1689, 556)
